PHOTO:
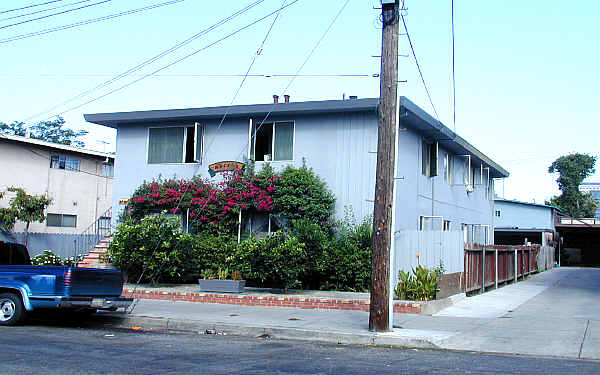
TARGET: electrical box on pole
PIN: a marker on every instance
(379, 314)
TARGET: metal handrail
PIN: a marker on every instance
(93, 234)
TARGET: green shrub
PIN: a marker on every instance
(276, 261)
(346, 262)
(46, 258)
(301, 194)
(421, 285)
(153, 248)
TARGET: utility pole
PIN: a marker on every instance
(379, 315)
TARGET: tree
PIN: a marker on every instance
(23, 207)
(572, 170)
(53, 131)
(15, 128)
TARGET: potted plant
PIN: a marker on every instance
(221, 281)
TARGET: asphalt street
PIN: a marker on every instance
(55, 347)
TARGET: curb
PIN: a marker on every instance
(199, 327)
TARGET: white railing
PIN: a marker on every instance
(581, 221)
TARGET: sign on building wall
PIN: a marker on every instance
(223, 166)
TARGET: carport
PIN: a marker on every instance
(580, 242)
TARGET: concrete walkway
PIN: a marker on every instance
(555, 313)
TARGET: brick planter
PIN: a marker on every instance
(301, 302)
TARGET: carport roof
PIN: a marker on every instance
(411, 115)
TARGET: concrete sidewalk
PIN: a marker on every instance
(556, 313)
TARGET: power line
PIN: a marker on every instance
(179, 60)
(297, 73)
(183, 75)
(45, 10)
(418, 65)
(54, 14)
(29, 6)
(453, 72)
(86, 22)
(150, 60)
(258, 52)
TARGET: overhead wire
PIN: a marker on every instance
(29, 6)
(253, 136)
(453, 70)
(417, 64)
(147, 62)
(259, 51)
(178, 60)
(54, 14)
(87, 22)
(44, 10)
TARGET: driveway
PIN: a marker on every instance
(555, 313)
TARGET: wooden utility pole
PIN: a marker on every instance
(379, 315)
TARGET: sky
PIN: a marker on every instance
(526, 72)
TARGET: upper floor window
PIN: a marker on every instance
(176, 144)
(108, 170)
(272, 141)
(64, 162)
(448, 168)
(429, 156)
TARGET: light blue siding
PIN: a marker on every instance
(523, 216)
(338, 147)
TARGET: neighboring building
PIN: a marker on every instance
(444, 182)
(518, 222)
(79, 182)
(594, 189)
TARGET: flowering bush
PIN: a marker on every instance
(46, 258)
(213, 207)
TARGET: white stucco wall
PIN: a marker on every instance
(84, 193)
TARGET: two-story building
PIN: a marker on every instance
(443, 182)
(79, 182)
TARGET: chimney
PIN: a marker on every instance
(275, 99)
(287, 98)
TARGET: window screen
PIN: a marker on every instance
(284, 141)
(64, 162)
(165, 145)
(60, 220)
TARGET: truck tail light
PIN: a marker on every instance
(67, 282)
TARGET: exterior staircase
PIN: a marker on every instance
(96, 257)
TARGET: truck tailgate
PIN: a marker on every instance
(95, 282)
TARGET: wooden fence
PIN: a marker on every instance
(489, 265)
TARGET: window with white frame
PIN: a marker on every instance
(430, 223)
(461, 170)
(476, 233)
(176, 144)
(108, 170)
(448, 168)
(65, 162)
(61, 220)
(429, 159)
(271, 141)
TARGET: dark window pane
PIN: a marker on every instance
(53, 220)
(69, 221)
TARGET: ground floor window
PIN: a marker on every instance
(61, 220)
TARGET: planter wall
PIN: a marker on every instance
(222, 286)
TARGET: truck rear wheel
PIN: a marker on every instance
(11, 309)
